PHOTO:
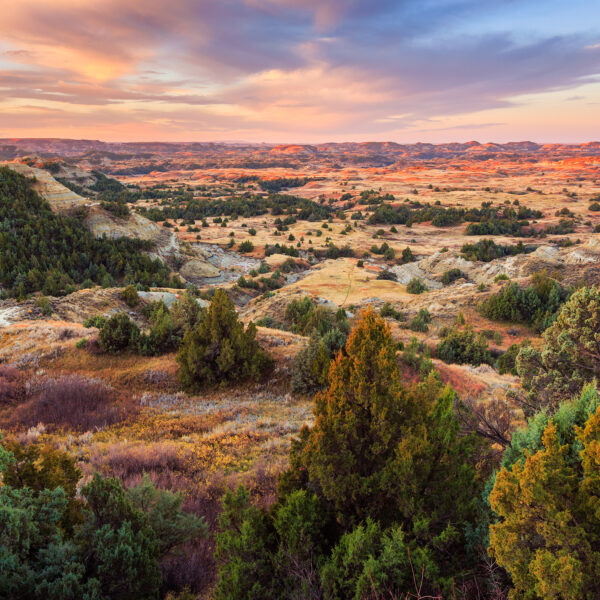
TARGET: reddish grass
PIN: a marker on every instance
(459, 380)
(12, 386)
(71, 402)
(129, 461)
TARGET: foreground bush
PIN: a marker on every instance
(546, 502)
(113, 554)
(219, 349)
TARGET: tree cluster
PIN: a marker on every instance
(40, 250)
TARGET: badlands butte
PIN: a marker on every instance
(346, 226)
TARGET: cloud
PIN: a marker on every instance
(280, 67)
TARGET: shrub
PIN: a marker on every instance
(421, 322)
(545, 533)
(306, 317)
(219, 349)
(289, 265)
(12, 388)
(416, 286)
(130, 296)
(569, 358)
(536, 305)
(119, 334)
(370, 563)
(370, 434)
(98, 321)
(186, 313)
(507, 363)
(594, 207)
(311, 367)
(464, 346)
(264, 268)
(248, 283)
(327, 330)
(335, 252)
(451, 276)
(417, 356)
(246, 246)
(252, 231)
(44, 305)
(387, 275)
(387, 310)
(488, 250)
(378, 485)
(163, 336)
(407, 256)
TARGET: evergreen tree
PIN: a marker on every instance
(463, 346)
(547, 502)
(381, 450)
(119, 334)
(245, 547)
(571, 352)
(219, 349)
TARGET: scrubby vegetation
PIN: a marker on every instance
(487, 220)
(536, 305)
(545, 529)
(463, 345)
(488, 250)
(119, 334)
(275, 204)
(387, 310)
(416, 286)
(328, 331)
(452, 275)
(569, 358)
(344, 510)
(421, 321)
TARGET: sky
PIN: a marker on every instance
(301, 71)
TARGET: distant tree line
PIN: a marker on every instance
(275, 204)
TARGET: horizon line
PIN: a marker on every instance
(292, 143)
